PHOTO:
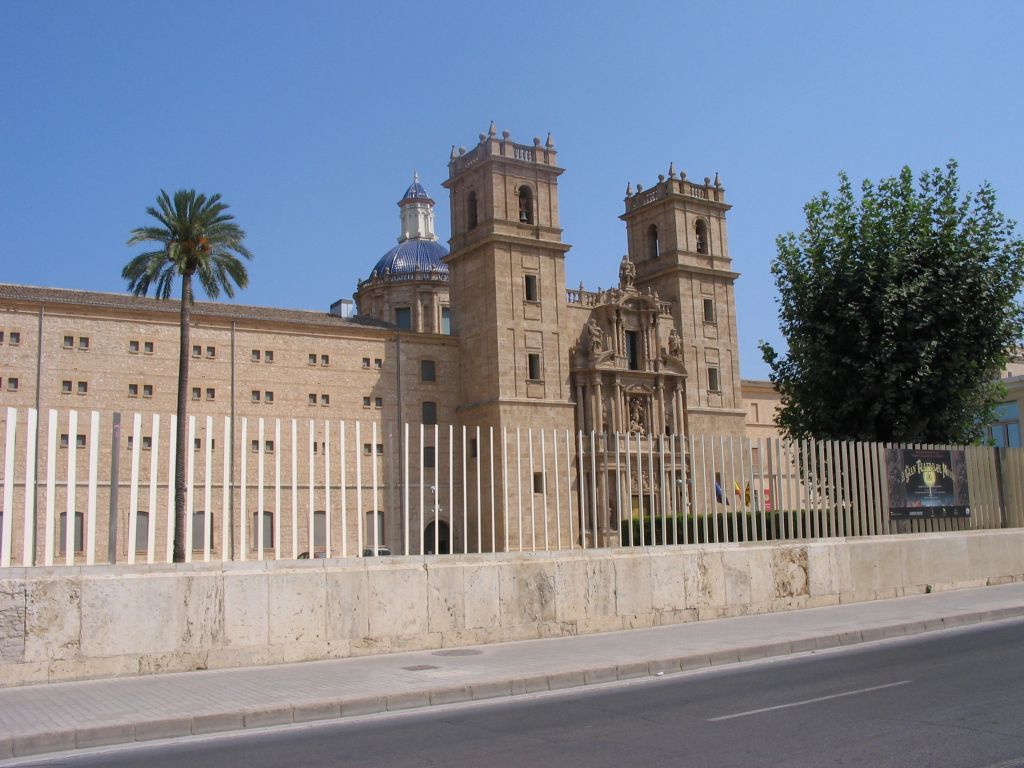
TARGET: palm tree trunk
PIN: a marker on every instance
(181, 450)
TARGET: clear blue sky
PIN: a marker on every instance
(310, 117)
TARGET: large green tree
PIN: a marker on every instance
(899, 310)
(195, 238)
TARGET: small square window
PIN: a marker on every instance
(133, 390)
(211, 351)
(366, 362)
(268, 356)
(133, 345)
(312, 398)
(147, 390)
(12, 384)
(83, 343)
(131, 442)
(14, 339)
(147, 443)
(378, 402)
(428, 370)
(147, 347)
(211, 393)
(255, 444)
(197, 350)
(69, 342)
(533, 365)
(197, 444)
(65, 387)
(255, 355)
(255, 395)
(377, 363)
(196, 392)
(366, 449)
(268, 397)
(709, 310)
(325, 360)
(380, 449)
(325, 399)
(64, 440)
(83, 387)
(1, 337)
(80, 441)
(366, 402)
(268, 446)
(312, 358)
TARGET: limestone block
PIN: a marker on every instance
(12, 620)
(762, 577)
(996, 553)
(527, 592)
(348, 615)
(821, 571)
(201, 596)
(297, 607)
(789, 568)
(668, 579)
(584, 588)
(736, 566)
(52, 618)
(130, 613)
(709, 582)
(445, 597)
(397, 600)
(481, 593)
(632, 584)
(246, 606)
(875, 563)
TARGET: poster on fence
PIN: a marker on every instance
(926, 483)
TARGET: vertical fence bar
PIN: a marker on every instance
(640, 490)
(261, 507)
(29, 538)
(558, 499)
(373, 469)
(451, 488)
(8, 518)
(437, 516)
(618, 488)
(405, 483)
(311, 450)
(532, 491)
(357, 449)
(568, 488)
(490, 467)
(327, 493)
(94, 461)
(133, 487)
(504, 481)
(69, 519)
(225, 514)
(243, 512)
(581, 480)
(593, 489)
(673, 484)
(294, 445)
(207, 493)
(704, 483)
(519, 485)
(479, 515)
(51, 486)
(544, 487)
(629, 491)
(465, 484)
(190, 485)
(662, 499)
(343, 487)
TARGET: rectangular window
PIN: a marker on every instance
(255, 395)
(312, 358)
(312, 398)
(403, 317)
(1, 337)
(472, 448)
(268, 446)
(268, 397)
(133, 390)
(533, 366)
(709, 310)
(147, 443)
(69, 342)
(633, 350)
(380, 449)
(255, 355)
(378, 363)
(196, 392)
(538, 482)
(366, 402)
(211, 351)
(211, 393)
(268, 356)
(378, 402)
(197, 350)
(147, 347)
(65, 387)
(325, 399)
(131, 442)
(428, 457)
(83, 343)
(325, 360)
(428, 370)
(446, 321)
(147, 390)
(367, 448)
(12, 384)
(64, 440)
(133, 346)
(83, 387)
(197, 443)
(713, 383)
(530, 285)
(255, 445)
(429, 412)
(14, 339)
(366, 362)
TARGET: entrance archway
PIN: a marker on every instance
(443, 539)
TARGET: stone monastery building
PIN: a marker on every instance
(483, 334)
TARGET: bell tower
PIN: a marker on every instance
(677, 238)
(507, 286)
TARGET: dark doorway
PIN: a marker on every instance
(443, 542)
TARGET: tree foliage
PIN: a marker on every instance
(196, 238)
(899, 310)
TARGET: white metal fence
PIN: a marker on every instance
(290, 488)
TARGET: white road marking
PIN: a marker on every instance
(808, 701)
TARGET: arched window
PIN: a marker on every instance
(701, 228)
(525, 205)
(471, 213)
(141, 531)
(268, 530)
(79, 522)
(653, 247)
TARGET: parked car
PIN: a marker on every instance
(368, 551)
(317, 554)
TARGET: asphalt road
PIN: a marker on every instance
(952, 699)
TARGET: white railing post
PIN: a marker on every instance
(343, 483)
(29, 539)
(69, 520)
(277, 489)
(225, 492)
(172, 439)
(133, 488)
(8, 511)
(208, 492)
(51, 486)
(94, 460)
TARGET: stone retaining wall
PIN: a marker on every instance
(83, 622)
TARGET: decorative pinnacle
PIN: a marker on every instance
(453, 152)
(415, 177)
(492, 129)
(506, 135)
(671, 170)
(718, 181)
(629, 189)
(661, 177)
(536, 141)
(549, 143)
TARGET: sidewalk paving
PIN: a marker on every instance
(63, 716)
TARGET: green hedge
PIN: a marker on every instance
(724, 527)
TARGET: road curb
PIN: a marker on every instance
(47, 742)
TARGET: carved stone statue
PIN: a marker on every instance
(627, 273)
(637, 416)
(675, 344)
(596, 337)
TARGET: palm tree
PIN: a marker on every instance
(197, 238)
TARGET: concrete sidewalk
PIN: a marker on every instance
(62, 716)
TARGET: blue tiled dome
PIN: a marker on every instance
(416, 192)
(412, 256)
